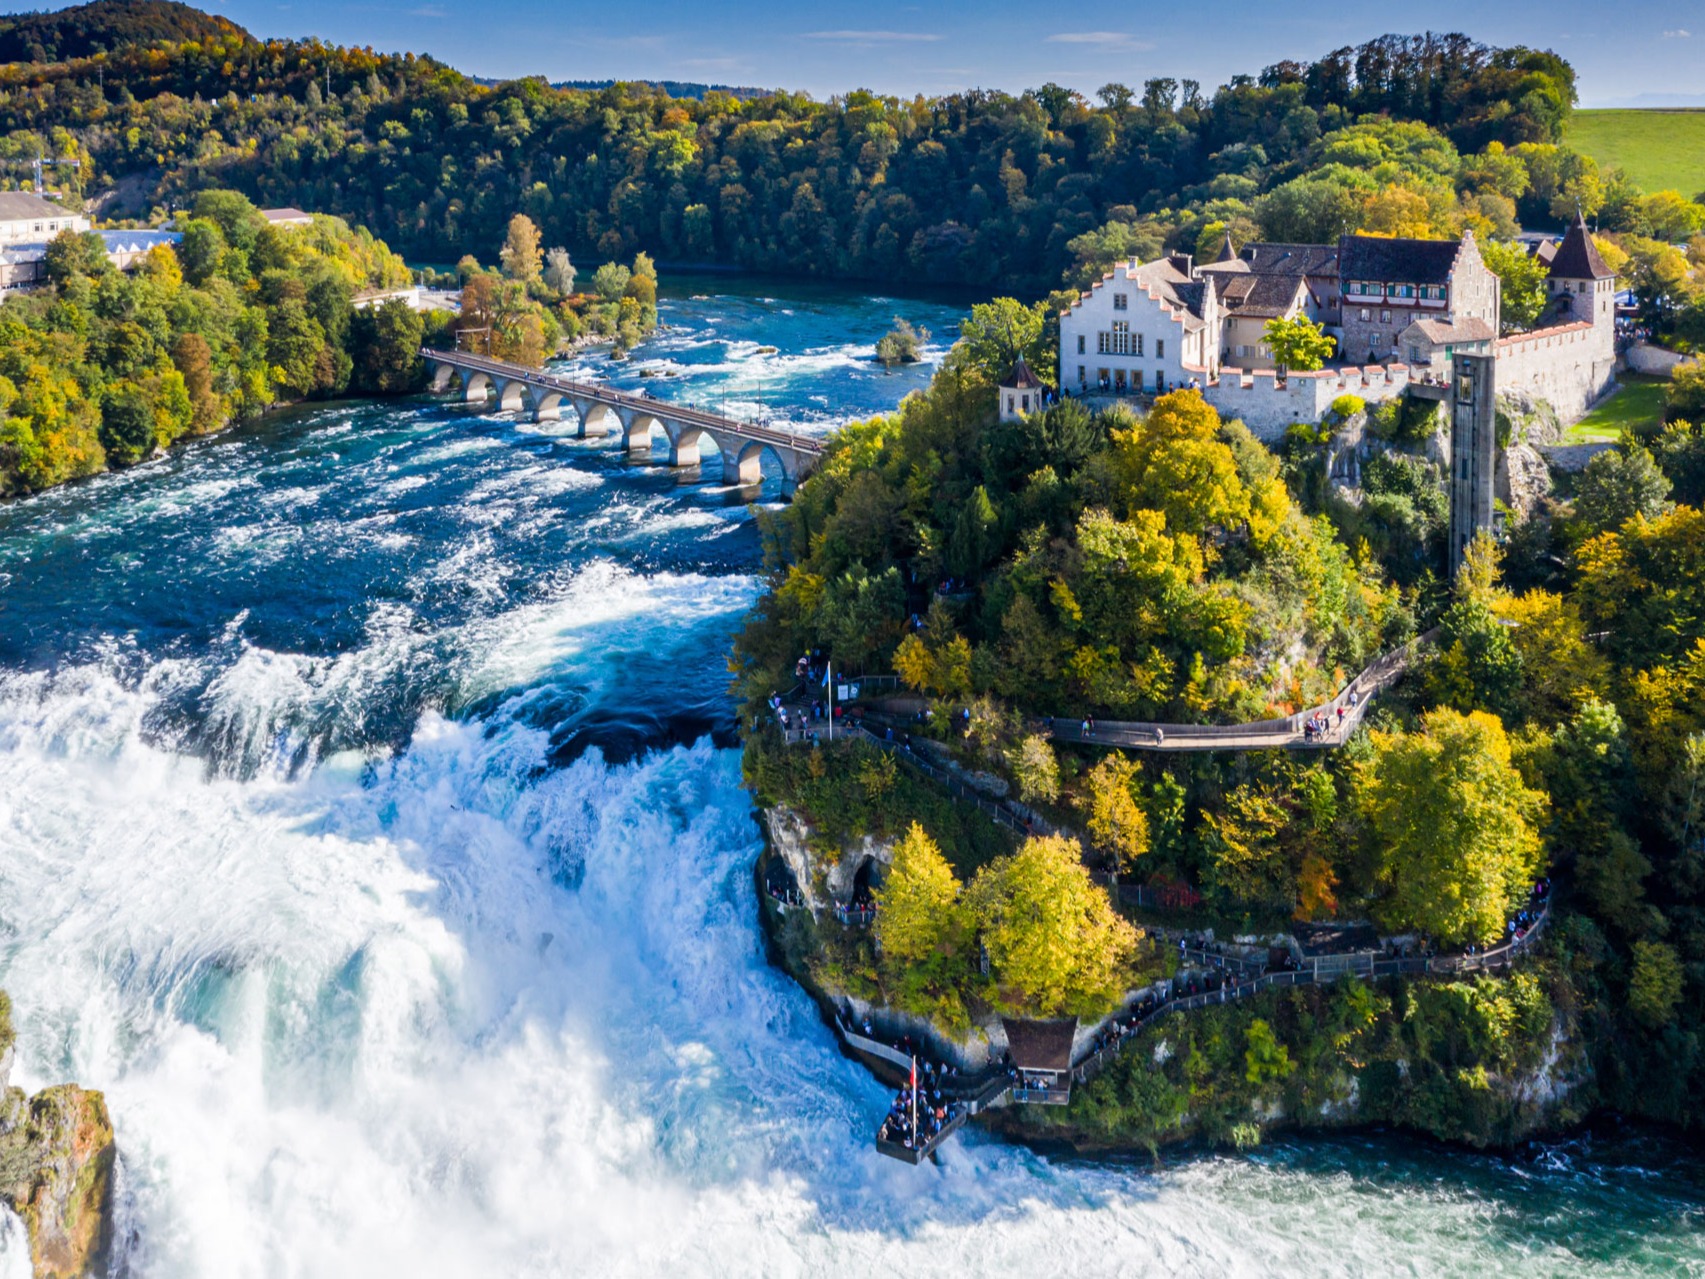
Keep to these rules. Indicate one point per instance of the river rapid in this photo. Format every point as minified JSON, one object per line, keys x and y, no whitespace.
{"x":371,"y":833}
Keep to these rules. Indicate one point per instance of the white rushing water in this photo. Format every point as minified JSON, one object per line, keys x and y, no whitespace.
{"x":448,"y":1013}
{"x":305,"y":864}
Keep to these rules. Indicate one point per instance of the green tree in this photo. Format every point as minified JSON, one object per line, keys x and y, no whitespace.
{"x":1452,"y":826}
{"x":1655,"y":985}
{"x":73,"y":253}
{"x":385,"y":347}
{"x":127,"y":424}
{"x":610,"y":281}
{"x":1055,"y":943}
{"x":1035,"y":769}
{"x":201,"y":249}
{"x":235,"y":215}
{"x":900,"y":344}
{"x":1684,"y":399}
{"x":1265,"y":1059}
{"x":1619,"y":484}
{"x":1299,"y":345}
{"x":998,"y":332}
{"x":1524,"y":289}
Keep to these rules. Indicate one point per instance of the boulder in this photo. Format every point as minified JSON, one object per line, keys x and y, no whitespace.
{"x":1523,"y":479}
{"x":56,"y":1172}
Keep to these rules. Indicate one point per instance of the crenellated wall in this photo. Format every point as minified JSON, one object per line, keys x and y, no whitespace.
{"x":1269,"y":405}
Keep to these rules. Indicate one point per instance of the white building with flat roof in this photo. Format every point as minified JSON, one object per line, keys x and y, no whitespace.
{"x":26,"y":218}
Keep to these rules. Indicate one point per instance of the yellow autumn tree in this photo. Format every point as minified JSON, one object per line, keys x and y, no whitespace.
{"x":1116,"y":821}
{"x":1454,"y":827}
{"x":1056,"y":945}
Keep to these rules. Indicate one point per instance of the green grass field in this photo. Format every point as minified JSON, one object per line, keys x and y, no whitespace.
{"x":1660,"y":150}
{"x":1640,"y":400}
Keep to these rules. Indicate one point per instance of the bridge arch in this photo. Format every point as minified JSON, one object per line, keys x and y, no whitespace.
{"x":598,"y":419}
{"x":637,"y":425}
{"x":686,"y":443}
{"x":476,"y":386}
{"x":545,"y":405}
{"x":744,"y":464}
{"x":512,"y":395}
{"x":442,"y":376}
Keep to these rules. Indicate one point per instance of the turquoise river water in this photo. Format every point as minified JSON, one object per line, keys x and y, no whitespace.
{"x":371,"y":833}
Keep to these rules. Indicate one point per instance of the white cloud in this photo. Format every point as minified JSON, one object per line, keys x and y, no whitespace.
{"x":1677,"y":34}
{"x":872,"y":37}
{"x":1123,"y":40}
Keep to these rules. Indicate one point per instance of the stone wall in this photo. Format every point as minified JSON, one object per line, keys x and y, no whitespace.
{"x":1643,"y":357}
{"x":1269,"y":406}
{"x":1570,"y":366}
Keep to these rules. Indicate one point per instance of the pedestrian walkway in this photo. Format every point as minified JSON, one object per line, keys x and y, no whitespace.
{"x":1224,"y":979}
{"x":1321,"y":727}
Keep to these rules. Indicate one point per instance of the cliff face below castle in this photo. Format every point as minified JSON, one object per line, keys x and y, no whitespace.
{"x":56,"y":1171}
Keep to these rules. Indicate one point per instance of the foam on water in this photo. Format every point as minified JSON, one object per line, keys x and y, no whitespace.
{"x":311,"y":860}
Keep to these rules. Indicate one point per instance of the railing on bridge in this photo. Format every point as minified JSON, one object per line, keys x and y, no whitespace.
{"x":685,"y":414}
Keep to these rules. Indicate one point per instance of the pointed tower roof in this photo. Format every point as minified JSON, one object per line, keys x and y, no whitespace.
{"x":1022,"y":378}
{"x":1577,"y":258}
{"x":1229,"y":252}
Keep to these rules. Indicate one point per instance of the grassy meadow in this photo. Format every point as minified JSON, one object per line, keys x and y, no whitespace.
{"x":1660,"y":150}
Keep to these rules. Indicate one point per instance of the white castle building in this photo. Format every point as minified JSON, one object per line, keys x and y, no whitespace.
{"x":1406,"y":305}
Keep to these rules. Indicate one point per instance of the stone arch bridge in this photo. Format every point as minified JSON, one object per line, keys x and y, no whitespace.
{"x":602,"y":411}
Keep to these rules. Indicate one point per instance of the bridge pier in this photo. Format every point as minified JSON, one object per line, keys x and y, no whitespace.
{"x":636,"y":433}
{"x":683,"y":444}
{"x":742,"y":464}
{"x":595,"y":419}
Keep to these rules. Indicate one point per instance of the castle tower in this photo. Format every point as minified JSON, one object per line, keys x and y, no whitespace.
{"x":1583,"y":289}
{"x":1021,"y":393}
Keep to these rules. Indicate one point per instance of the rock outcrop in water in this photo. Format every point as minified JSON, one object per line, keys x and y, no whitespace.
{"x":56,"y":1169}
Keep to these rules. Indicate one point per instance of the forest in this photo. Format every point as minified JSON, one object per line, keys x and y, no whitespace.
{"x":960,"y":189}
{"x":105,"y":367}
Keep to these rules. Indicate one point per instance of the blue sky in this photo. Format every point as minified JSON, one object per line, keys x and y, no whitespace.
{"x":1620,"y":50}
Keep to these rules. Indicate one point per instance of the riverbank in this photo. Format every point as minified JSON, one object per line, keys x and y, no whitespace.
{"x":1394,"y":1052}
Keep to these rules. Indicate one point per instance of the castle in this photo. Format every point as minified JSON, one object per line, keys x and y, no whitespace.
{"x":1408,"y":306}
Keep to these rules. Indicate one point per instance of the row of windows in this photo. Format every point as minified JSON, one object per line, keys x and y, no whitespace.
{"x":1407,"y":292}
{"x":1121,"y":341}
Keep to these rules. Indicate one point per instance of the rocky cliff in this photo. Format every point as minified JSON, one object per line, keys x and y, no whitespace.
{"x":56,"y":1170}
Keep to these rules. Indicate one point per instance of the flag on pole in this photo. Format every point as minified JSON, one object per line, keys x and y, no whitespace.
{"x":914,"y":1097}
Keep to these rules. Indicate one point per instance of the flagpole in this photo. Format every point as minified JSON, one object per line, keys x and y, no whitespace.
{"x":829,"y":671}
{"x":915,"y":1099}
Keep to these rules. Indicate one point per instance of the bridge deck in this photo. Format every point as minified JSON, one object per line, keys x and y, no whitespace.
{"x":681,"y":413}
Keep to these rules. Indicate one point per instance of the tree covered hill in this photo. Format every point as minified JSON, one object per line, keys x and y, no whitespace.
{"x":106,"y":25}
{"x":1405,"y":134}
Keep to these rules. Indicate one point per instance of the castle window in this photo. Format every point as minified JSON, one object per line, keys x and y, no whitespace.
{"x":1080,"y":376}
{"x":1159,"y":348}
{"x":1080,"y":344}
{"x":1366,"y":314}
{"x":1385,"y":317}
{"x":1120,"y":301}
